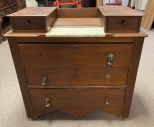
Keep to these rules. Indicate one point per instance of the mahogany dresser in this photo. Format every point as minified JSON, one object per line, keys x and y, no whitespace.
{"x":86,"y":61}
{"x":8,"y":7}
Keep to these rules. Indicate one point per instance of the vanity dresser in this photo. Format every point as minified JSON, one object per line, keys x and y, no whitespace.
{"x":76,"y":61}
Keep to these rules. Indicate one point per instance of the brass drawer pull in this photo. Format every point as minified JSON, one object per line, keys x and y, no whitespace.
{"x":47,"y":102}
{"x":44,"y":80}
{"x":107,"y":102}
{"x":109,"y":59}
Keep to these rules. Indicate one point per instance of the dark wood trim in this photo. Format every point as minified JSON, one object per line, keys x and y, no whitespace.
{"x":77,"y":13}
{"x":69,"y":40}
{"x":132,"y":76}
{"x":21,"y":76}
{"x":66,"y":87}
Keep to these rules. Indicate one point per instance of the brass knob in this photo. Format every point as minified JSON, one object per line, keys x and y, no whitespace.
{"x":47,"y":102}
{"x":107,"y":102}
{"x":44,"y":80}
{"x":108,"y":76}
{"x":109,"y":58}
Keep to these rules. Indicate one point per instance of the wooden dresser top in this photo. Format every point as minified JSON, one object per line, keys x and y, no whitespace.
{"x":112,"y":10}
{"x":84,"y":22}
{"x":33,"y":11}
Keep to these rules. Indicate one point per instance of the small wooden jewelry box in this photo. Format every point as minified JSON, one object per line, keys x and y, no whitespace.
{"x":33,"y":19}
{"x":121,"y":19}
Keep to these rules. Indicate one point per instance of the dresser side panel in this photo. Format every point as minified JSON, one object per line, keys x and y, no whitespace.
{"x":132,"y":74}
{"x":20,"y":75}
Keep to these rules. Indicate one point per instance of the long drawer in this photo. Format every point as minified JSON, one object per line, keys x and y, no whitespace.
{"x":77,"y":101}
{"x":70,"y":55}
{"x":92,"y":76}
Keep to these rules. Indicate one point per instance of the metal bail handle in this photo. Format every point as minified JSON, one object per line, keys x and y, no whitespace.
{"x":107,"y":102}
{"x":109,"y":59}
{"x":47,"y":102}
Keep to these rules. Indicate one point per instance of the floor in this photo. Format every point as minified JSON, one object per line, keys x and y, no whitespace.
{"x":12,"y":112}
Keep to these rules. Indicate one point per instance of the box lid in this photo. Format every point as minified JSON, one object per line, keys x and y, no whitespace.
{"x":112,"y":10}
{"x":33,"y":11}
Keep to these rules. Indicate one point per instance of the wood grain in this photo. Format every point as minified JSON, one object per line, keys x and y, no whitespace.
{"x":73,"y":76}
{"x":33,"y":12}
{"x":21,"y":77}
{"x":31,"y":20}
{"x":124,"y":111}
{"x":112,"y":10}
{"x":28,"y":23}
{"x":68,"y":55}
{"x":123,"y":24}
{"x":77,"y":13}
{"x":138,"y":44}
{"x":77,"y":22}
{"x":77,"y":101}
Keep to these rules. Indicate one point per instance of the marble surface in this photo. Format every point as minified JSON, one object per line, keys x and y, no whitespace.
{"x":76,"y":31}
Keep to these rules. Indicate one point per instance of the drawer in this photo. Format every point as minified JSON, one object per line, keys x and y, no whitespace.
{"x":68,"y":55}
{"x":33,"y":19}
{"x":28,"y":23}
{"x":123,"y":24}
{"x":47,"y":55}
{"x":77,"y":101}
{"x":94,"y":76}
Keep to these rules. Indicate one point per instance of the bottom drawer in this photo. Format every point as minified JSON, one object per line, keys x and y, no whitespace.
{"x":77,"y":101}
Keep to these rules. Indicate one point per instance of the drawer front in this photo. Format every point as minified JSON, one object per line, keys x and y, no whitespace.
{"x":46,"y":77}
{"x":123,"y":24}
{"x":37,"y":23}
{"x":77,"y":101}
{"x":80,"y":55}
